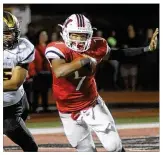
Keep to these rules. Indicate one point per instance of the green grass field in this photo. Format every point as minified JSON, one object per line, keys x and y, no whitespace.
{"x":117,"y":121}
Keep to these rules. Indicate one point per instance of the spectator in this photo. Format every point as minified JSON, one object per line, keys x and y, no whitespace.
{"x":148,"y":36}
{"x":128,"y":68}
{"x":54,"y":36}
{"x":39,"y":69}
{"x":149,"y":67}
{"x":112,"y":41}
{"x":30,"y":35}
{"x":99,"y":33}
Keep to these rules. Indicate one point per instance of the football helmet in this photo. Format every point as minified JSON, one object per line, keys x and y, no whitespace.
{"x":11,"y":30}
{"x":77,"y":23}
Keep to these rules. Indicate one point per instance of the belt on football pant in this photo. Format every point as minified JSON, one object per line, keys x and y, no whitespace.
{"x":75,"y":115}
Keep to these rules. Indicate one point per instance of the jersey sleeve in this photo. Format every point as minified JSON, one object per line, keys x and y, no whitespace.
{"x":54,"y":51}
{"x":101,"y":49}
{"x":26,"y":53}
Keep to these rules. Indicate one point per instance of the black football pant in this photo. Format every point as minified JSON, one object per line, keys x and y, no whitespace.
{"x":14,"y":126}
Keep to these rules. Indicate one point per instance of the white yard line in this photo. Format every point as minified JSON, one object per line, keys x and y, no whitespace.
{"x":119,"y":127}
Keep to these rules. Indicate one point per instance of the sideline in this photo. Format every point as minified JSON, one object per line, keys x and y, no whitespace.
{"x":119,"y":127}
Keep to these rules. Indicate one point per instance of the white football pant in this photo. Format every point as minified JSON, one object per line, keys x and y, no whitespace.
{"x":98,"y":119}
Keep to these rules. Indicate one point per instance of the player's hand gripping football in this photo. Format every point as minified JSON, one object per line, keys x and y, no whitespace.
{"x":93,"y":62}
{"x":153,"y":42}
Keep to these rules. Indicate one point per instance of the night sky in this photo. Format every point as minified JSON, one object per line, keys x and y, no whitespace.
{"x":125,"y":9}
{"x":143,"y":15}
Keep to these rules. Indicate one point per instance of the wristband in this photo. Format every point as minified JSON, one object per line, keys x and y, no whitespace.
{"x":84,"y":61}
{"x":147,"y":49}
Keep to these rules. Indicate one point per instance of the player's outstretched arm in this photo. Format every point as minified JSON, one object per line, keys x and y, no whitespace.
{"x":18,"y":76}
{"x":63,"y":69}
{"x":119,"y":54}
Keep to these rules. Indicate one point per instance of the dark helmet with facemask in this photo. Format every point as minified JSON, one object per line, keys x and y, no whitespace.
{"x":11,"y":30}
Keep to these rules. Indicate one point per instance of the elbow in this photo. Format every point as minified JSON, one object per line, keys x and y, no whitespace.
{"x":10,"y":88}
{"x":16,"y":86}
{"x":58,"y":74}
{"x":11,"y":85}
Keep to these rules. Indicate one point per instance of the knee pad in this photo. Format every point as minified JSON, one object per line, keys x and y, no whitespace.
{"x":16,"y":130}
{"x":114,"y":145}
{"x":25,"y":115}
{"x":86,"y":148}
{"x":10,"y":125}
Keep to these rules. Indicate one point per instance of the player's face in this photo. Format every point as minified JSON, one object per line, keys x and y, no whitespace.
{"x":78,"y":36}
{"x":7,"y":35}
{"x":78,"y":40}
{"x":8,"y":38}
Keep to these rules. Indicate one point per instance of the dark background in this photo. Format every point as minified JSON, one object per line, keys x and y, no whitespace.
{"x":116,"y":15}
{"x":144,"y":15}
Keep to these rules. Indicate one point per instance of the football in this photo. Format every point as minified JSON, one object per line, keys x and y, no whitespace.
{"x":87,"y":70}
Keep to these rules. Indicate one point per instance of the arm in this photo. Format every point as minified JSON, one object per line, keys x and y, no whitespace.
{"x":63,"y":69}
{"x":19,"y":74}
{"x":56,"y":55}
{"x":118,"y":54}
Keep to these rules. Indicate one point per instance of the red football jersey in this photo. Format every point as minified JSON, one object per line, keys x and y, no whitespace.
{"x":74,"y":93}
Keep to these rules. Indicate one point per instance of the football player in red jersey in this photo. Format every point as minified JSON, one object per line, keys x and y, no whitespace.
{"x":81,"y":109}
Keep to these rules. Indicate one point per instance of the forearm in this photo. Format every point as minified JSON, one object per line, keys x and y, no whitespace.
{"x":119,"y":54}
{"x":18,"y":76}
{"x":68,"y":68}
{"x":135,"y":51}
{"x":9,"y":85}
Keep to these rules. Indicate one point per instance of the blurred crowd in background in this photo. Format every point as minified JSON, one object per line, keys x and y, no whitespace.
{"x":140,"y":73}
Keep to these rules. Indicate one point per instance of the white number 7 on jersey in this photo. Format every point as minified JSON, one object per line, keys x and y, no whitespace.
{"x":81,"y":80}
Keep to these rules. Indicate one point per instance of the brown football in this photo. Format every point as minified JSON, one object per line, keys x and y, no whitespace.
{"x":86,"y":71}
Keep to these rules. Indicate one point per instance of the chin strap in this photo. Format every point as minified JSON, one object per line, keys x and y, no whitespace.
{"x":60,"y":25}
